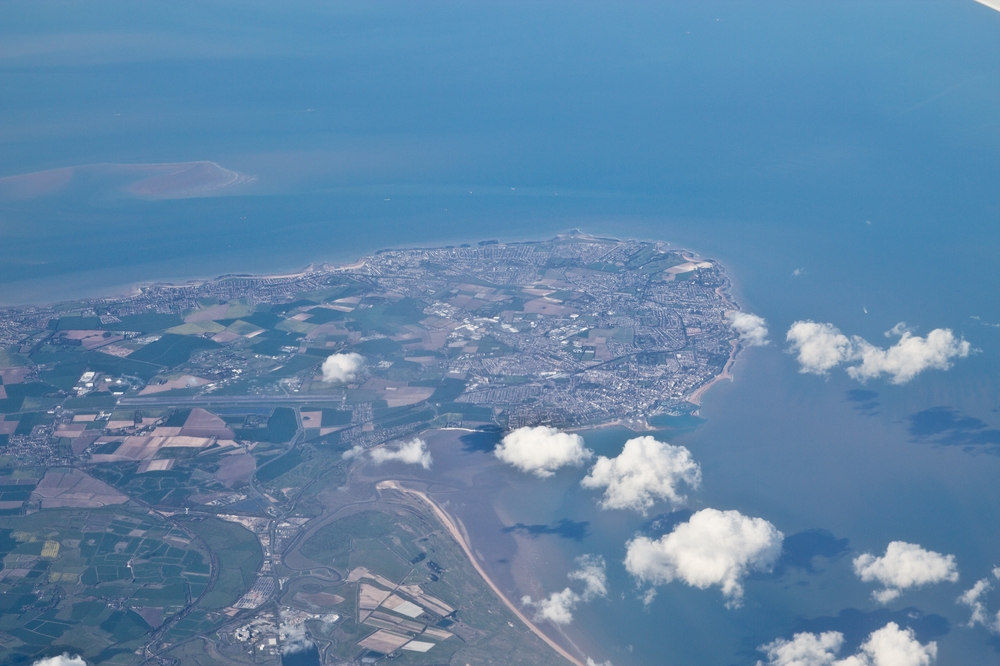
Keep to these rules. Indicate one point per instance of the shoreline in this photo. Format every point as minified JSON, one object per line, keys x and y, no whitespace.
{"x":462,"y":540}
{"x":131,"y":287}
{"x":724,"y":292}
{"x":695,"y":398}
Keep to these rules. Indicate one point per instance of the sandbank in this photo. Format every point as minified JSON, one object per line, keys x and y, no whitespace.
{"x":462,"y":540}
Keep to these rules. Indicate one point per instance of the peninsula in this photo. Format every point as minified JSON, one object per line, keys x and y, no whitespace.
{"x":169,"y":455}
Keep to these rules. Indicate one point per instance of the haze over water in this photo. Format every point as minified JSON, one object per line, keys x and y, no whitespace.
{"x":839,"y":158}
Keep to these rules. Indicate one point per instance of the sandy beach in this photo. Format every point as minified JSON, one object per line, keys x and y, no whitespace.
{"x":462,"y":539}
{"x":695,"y":398}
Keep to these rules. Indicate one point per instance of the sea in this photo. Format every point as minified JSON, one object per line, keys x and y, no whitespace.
{"x":838,"y":157}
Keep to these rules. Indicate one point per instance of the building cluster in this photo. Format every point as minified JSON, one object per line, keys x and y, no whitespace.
{"x":591,"y":330}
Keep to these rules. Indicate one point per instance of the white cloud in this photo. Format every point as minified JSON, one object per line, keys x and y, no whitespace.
{"x":973,"y":598}
{"x":353,"y":452}
{"x":292,"y":632}
{"x":888,"y":646}
{"x":558,"y":607}
{"x":712,"y":548}
{"x":342,"y":368}
{"x":413,"y":452}
{"x":646,"y":470}
{"x":903,"y":566}
{"x":61,"y":660}
{"x":892,"y":646}
{"x":541,"y":450}
{"x":822,"y":347}
{"x":804,"y":649}
{"x":751,"y":328}
{"x":909,"y":357}
{"x":593,"y":576}
{"x":591,"y":662}
{"x":898,"y":330}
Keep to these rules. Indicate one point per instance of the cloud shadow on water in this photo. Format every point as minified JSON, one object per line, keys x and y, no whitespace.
{"x":483,"y":440}
{"x":864,"y":401}
{"x":856,"y":625}
{"x":947,"y":427}
{"x":665,"y":523}
{"x":799,"y":551}
{"x":567,"y":529}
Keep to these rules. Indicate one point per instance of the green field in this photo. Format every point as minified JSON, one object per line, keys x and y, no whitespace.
{"x":275,"y":468}
{"x":331,"y":544}
{"x":171,"y":349}
{"x":149,"y":322}
{"x":239,"y":555}
{"x":79,"y":561}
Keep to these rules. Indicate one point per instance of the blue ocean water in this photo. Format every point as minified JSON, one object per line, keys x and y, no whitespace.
{"x":840,"y":158}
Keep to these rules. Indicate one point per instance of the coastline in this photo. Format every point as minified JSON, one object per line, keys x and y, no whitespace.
{"x":463,"y":542}
{"x":318,"y":265}
{"x":130,"y":287}
{"x":723,"y":292}
{"x":695,"y":398}
{"x":325,"y":268}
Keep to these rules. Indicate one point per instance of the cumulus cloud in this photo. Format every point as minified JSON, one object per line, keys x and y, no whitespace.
{"x":751,"y":328}
{"x":804,"y":649}
{"x":63,"y":659}
{"x":342,"y":368}
{"x":645,"y":471}
{"x":292,"y":632}
{"x":903,"y":566}
{"x":541,"y":450}
{"x":892,"y":646}
{"x":973,"y":598}
{"x":413,"y":452}
{"x":888,"y":646}
{"x":909,"y":357}
{"x":712,"y":548}
{"x":822,"y":347}
{"x":558,"y":607}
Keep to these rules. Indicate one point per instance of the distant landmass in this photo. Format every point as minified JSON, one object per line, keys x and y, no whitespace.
{"x":179,"y":180}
